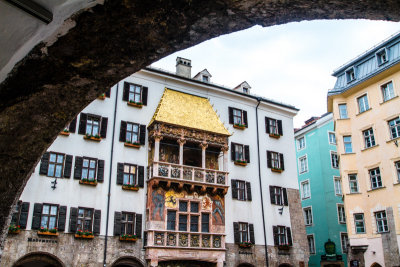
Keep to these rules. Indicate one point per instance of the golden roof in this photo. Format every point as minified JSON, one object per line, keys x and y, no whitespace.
{"x":189,"y":111}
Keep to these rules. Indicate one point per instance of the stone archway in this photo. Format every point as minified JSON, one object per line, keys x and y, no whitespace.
{"x":127,"y":262}
{"x":375,"y":264}
{"x":38,"y":259}
{"x":56,"y":80}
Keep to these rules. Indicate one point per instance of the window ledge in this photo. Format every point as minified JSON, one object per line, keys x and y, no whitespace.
{"x":351,"y":153}
{"x":398,"y":183}
{"x":276,"y":170}
{"x":363,"y":112}
{"x":240,"y":163}
{"x":304,"y":198}
{"x":102,"y":97}
{"x":368,"y":148}
{"x":239,"y":126}
{"x":128,"y":239}
{"x":64,"y":133}
{"x":370,"y":190}
{"x":93,"y":183}
{"x":84,"y":236}
{"x":130,"y":187}
{"x":92,"y":138}
{"x":133,"y":145}
{"x":384,"y":102}
{"x":134,"y":104}
{"x":392,"y":140}
{"x":343,"y":119}
{"x":276,"y":136}
{"x":355,"y":193}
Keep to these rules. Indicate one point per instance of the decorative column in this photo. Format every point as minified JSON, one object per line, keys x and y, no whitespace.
{"x":203,"y":146}
{"x":181,"y":141}
{"x":225,"y":150}
{"x":156,"y":157}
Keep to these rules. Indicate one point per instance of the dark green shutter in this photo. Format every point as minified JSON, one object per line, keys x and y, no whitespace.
{"x":140,"y":176}
{"x":122,"y":131}
{"x":280,"y":131}
{"x":289,"y":236}
{"x":125,"y":95}
{"x":73,"y":219}
{"x":267,"y":125}
{"x":44,"y":163}
{"x":142,"y":134}
{"x":82,"y":123}
{"x":285,"y":199}
{"x":97,"y":221}
{"x":236,"y":235}
{"x":68,"y":166}
{"x":23,"y":217}
{"x":144,"y":95}
{"x":120,"y":173}
{"x":103,"y":129}
{"x":272,"y":194}
{"x":232,"y":151}
{"x":245,"y":118}
{"x":269,"y":159}
{"x":62,"y":217}
{"x":138,"y":225}
{"x":117,"y":223}
{"x":100,"y":171}
{"x":248,"y":189}
{"x":230,"y":110}
{"x":282,"y":162}
{"x":37,"y":214}
{"x":108,"y":93}
{"x":251,"y":230}
{"x":78,"y":167}
{"x":72,"y":125}
{"x":276,"y":237}
{"x":247,"y":153}
{"x":234,"y":189}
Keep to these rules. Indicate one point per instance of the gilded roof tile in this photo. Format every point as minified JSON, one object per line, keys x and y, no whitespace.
{"x":189,"y":111}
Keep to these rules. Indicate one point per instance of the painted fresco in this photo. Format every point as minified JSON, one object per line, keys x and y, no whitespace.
{"x":169,"y":153}
{"x":157,"y":205}
{"x":218,"y":211}
{"x":170,"y":199}
{"x":212,"y":161}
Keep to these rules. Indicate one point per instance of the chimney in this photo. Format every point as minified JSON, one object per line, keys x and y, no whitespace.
{"x":184,"y":67}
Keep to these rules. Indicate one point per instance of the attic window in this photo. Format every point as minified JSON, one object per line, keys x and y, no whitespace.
{"x":381,"y":56}
{"x":350,"y":75}
{"x":245,"y":90}
{"x":205,"y":79}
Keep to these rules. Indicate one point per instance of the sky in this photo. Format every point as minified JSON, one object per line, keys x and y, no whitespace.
{"x":291,"y":63}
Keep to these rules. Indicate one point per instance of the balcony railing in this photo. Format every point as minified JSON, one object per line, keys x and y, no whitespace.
{"x":173,"y":239}
{"x":188,"y":173}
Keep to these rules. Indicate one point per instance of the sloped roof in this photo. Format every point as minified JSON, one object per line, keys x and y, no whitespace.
{"x":190,"y":111}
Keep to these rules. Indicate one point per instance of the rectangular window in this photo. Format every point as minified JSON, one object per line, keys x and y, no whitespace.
{"x":132,"y":133}
{"x":49,"y":216}
{"x":241,"y":186}
{"x":273,"y":126}
{"x":135,"y":93}
{"x":344,"y":240}
{"x":183,"y":206}
{"x":348,"y":147}
{"x":375,"y":176}
{"x":305,"y":190}
{"x":239,"y":152}
{"x":311,"y":244}
{"x":359,"y":223}
{"x":350,"y":75}
{"x":303,"y":164}
{"x":343,"y":111}
{"x":127,"y":223}
{"x":381,"y":222}
{"x":369,"y":139}
{"x":394,"y":128}
{"x":244,"y":232}
{"x":16,"y":214}
{"x":334,"y":160}
{"x":93,"y":125}
{"x":301,"y":143}
{"x":171,"y":220}
{"x":341,"y":214}
{"x":56,"y":163}
{"x":278,"y":196}
{"x":308,"y":218}
{"x":282,"y":240}
{"x":89,"y":169}
{"x":387,"y":91}
{"x":85,"y":218}
{"x":194,"y":223}
{"x":362,"y":104}
{"x":332,"y":138}
{"x":353,"y":183}
{"x":129,"y":174}
{"x":381,"y":56}
{"x":397,"y":165}
{"x":275,"y":160}
{"x":237,"y":116}
{"x":194,"y":207}
{"x":205,"y":222}
{"x":338,"y":186}
{"x":183,"y":218}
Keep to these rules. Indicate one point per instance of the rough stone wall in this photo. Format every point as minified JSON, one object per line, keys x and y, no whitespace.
{"x":56,"y":80}
{"x":389,"y":241}
{"x":236,"y":255}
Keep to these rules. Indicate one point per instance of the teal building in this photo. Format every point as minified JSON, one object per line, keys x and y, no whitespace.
{"x":321,"y":192}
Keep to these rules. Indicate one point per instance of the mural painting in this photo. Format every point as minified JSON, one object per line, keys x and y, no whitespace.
{"x":170,"y":198}
{"x":157,"y":205}
{"x":218,"y":211}
{"x":169,"y":153}
{"x":212,"y":160}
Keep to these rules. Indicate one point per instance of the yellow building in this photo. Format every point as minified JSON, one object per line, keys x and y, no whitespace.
{"x":366,"y":106}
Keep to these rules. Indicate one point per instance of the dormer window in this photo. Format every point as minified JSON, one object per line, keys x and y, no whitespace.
{"x":381,"y":56}
{"x":350,"y":75}
{"x":245,"y":90}
{"x":205,"y":79}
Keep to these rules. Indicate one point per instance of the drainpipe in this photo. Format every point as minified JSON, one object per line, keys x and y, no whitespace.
{"x":261,"y":191}
{"x":109,"y":177}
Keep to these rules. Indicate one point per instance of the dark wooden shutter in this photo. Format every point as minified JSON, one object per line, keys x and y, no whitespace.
{"x":78,"y":167}
{"x":44,"y":163}
{"x":142,"y":134}
{"x":73,"y":219}
{"x":251,"y":231}
{"x":234,"y":189}
{"x":108,"y":93}
{"x":141,"y":176}
{"x":23,"y":217}
{"x":280,"y":131}
{"x":62,"y":217}
{"x":138,"y":225}
{"x":276,"y":237}
{"x":267,"y":125}
{"x":122,"y":131}
{"x":100,"y":170}
{"x":285,"y":199}
{"x":236,"y":235}
{"x":103,"y":130}
{"x":120,"y":173}
{"x":82,"y":123}
{"x":37,"y":214}
{"x":248,"y":189}
{"x":247,"y":153}
{"x":68,"y":166}
{"x":282,"y":162}
{"x":117,"y":223}
{"x":289,"y":236}
{"x":245,"y":118}
{"x":144,"y":95}
{"x":269,"y":160}
{"x":232,"y":151}
{"x":97,"y":221}
{"x":272,"y":194}
{"x":125,"y":95}
{"x":72,"y":126}
{"x":230,"y":110}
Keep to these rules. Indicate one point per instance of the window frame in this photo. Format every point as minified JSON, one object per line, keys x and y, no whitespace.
{"x":375,"y":176}
{"x":338,"y":190}
{"x":273,"y":126}
{"x":135,"y":175}
{"x":363,"y":105}
{"x":126,"y":223}
{"x":344,"y":245}
{"x":55,"y":164}
{"x":278,"y":197}
{"x":189,"y":215}
{"x":16,"y":213}
{"x":241,"y":191}
{"x":282,"y":235}
{"x":308,"y":216}
{"x":350,"y":74}
{"x":171,"y":220}
{"x":311,"y":246}
{"x":369,"y":138}
{"x":395,"y":127}
{"x":134,"y":93}
{"x":343,"y":116}
{"x":345,"y":143}
{"x":301,"y":144}
{"x":49,"y":215}
{"x":381,"y":222}
{"x":329,"y":138}
{"x":237,"y":152}
{"x":381,"y":56}
{"x":237,"y":116}
{"x":362,"y":220}
{"x":350,"y":175}
{"x":334,"y":159}
{"x":132,"y":133}
{"x":302,"y":183}
{"x":89,"y":168}
{"x":301,"y":171}
{"x":85,"y":218}
{"x":243,"y":232}
{"x":93,"y":118}
{"x":397,"y":168}
{"x":341,"y":213}
{"x":387,"y":87}
{"x":275,"y":160}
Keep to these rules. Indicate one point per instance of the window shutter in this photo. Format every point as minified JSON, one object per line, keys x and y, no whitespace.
{"x":68,"y":166}
{"x":234,"y":189}
{"x":269,"y":160}
{"x":251,"y":230}
{"x":23,"y":217}
{"x":142,"y":135}
{"x":44,"y":163}
{"x":232,"y":151}
{"x":271,"y":194}
{"x":267,"y":125}
{"x":78,"y":167}
{"x":276,"y":237}
{"x":230,"y":110}
{"x":141,"y":176}
{"x":122,"y":131}
{"x":97,"y":220}
{"x":247,"y":153}
{"x":72,"y":126}
{"x":285,"y":199}
{"x":62,"y":217}
{"x":125,"y":95}
{"x":120,"y":173}
{"x":117,"y":223}
{"x":282,"y":162}
{"x":82,"y":123}
{"x":73,"y":219}
{"x":37,"y":214}
{"x":108,"y":93}
{"x":280,"y":131}
{"x":144,"y":95}
{"x":236,"y":232}
{"x":103,"y":130}
{"x":100,"y":170}
{"x":139,"y":225}
{"x":289,"y":236}
{"x":245,"y":118}
{"x":248,"y":189}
